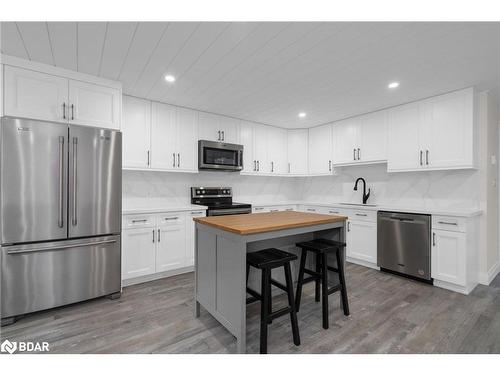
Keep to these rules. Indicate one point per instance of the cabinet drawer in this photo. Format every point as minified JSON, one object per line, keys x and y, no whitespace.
{"x":454,"y":224}
{"x":361,"y":215}
{"x":138,"y":221}
{"x":171,"y":218}
{"x":312,"y":209}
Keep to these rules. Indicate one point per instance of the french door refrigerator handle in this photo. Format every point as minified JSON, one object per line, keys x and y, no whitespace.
{"x":49,"y":248}
{"x":178,"y":160}
{"x":60,"y":222}
{"x":421,"y":153}
{"x":75,"y":180}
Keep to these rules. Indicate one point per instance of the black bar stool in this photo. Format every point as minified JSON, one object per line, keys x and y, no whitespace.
{"x":267,"y":260}
{"x":321,"y":248}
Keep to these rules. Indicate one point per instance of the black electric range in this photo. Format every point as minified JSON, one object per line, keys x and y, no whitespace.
{"x":219,"y":201}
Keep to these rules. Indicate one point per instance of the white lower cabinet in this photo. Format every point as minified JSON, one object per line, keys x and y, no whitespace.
{"x":138,"y":252}
{"x":448,"y":256}
{"x":153,"y":244}
{"x":361,"y":239}
{"x":171,"y":242}
{"x":190,"y":235}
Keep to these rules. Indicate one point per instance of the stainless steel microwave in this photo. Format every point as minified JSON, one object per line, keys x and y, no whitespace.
{"x":220,"y":156}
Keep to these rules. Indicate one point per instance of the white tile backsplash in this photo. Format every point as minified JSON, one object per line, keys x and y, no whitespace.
{"x":436,"y":189}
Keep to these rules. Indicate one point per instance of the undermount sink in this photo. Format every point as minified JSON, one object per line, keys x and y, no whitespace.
{"x":359,"y":204}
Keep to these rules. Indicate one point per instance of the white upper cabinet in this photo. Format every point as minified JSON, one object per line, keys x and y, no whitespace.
{"x":277,"y":150}
{"x":361,"y":139}
{"x":449,"y":130}
{"x":218,"y":128}
{"x":260,"y":147}
{"x":42,"y":96}
{"x":404,"y":152}
{"x":373,"y":137}
{"x":247,"y":140}
{"x":174,"y":133}
{"x":35,"y":95}
{"x":346,"y":141}
{"x":136,"y":127}
{"x":94,"y":105}
{"x":297,"y":151}
{"x":163,"y":136}
{"x":433,"y":134}
{"x":320,"y":150}
{"x":187,"y":139}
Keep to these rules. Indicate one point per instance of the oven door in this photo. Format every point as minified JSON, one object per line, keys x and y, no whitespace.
{"x":220,"y":156}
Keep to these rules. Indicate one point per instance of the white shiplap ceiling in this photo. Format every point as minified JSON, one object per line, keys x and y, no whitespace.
{"x":269,"y":71}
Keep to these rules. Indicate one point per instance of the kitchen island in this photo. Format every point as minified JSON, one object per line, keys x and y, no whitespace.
{"x":222,"y":243}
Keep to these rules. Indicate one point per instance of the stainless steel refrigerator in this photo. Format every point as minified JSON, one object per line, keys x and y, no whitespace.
{"x":60,"y":215}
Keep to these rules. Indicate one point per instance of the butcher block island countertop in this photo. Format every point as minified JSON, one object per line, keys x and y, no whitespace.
{"x":267,"y":222}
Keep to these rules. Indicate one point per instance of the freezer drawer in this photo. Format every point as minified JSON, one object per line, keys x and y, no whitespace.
{"x":404,"y":243}
{"x":45,"y":275}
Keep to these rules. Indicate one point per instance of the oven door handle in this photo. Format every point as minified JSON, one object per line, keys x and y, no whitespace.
{"x":229,"y":211}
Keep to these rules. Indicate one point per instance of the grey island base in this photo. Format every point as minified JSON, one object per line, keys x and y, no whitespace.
{"x":222,"y":243}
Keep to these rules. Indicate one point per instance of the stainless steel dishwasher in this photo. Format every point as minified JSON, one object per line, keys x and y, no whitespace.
{"x":404,"y":244}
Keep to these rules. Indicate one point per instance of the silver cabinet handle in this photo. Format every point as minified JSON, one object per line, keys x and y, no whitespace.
{"x":223,"y":136}
{"x":196,"y":212}
{"x":433,"y":239}
{"x":421,"y":152}
{"x":333,"y":212}
{"x":19,"y":250}
{"x":272,"y":166}
{"x":60,"y":221}
{"x":159,"y":238}
{"x":254,"y":166}
{"x":258,"y":208}
{"x":148,"y":158}
{"x":289,"y":209}
{"x":139,"y":221}
{"x":361,"y":214}
{"x":447,"y":223}
{"x":171,"y":218}
{"x":258,"y":165}
{"x":64,"y":111}
{"x":275,"y":210}
{"x":329,"y":165}
{"x":311,"y":209}
{"x":359,"y":157}
{"x":348,"y":226}
{"x":75,"y":180}
{"x":72,"y":112}
{"x":353,"y":154}
{"x":289,"y":168}
{"x":173,"y":157}
{"x":219,"y":136}
{"x":178,"y":160}
{"x":427,"y":157}
{"x":153,"y":236}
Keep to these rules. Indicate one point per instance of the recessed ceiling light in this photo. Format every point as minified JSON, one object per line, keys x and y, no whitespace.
{"x":393,"y":85}
{"x":302,"y":114}
{"x":169,"y":78}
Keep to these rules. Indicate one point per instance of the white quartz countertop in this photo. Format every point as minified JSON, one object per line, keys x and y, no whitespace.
{"x":152,"y":205}
{"x":445,"y":211}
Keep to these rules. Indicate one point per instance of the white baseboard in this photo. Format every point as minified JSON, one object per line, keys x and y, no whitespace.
{"x":156,"y":276}
{"x":362,"y":263}
{"x":487,"y":278}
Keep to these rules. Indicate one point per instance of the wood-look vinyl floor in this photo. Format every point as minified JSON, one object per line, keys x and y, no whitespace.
{"x":389,"y":314}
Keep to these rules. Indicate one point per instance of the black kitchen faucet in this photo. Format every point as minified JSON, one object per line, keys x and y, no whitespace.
{"x":365,"y":196}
